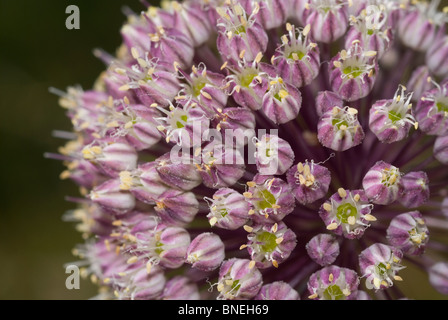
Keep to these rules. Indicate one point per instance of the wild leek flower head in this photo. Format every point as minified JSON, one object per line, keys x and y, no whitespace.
{"x":264,"y":149}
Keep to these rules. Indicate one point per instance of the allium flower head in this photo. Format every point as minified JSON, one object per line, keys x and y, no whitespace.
{"x":264,"y":149}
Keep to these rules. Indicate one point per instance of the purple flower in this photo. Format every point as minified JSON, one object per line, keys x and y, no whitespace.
{"x":252,"y":149}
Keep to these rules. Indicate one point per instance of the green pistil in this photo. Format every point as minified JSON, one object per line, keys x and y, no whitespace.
{"x":346,"y":211}
{"x":236,"y":285}
{"x":223,"y":213}
{"x":333,"y":292}
{"x":268,"y":200}
{"x":268,"y":241}
{"x":179,"y":124}
{"x":442,"y":107}
{"x":300,"y":54}
{"x":354,"y":71}
{"x":240,"y":29}
{"x":381,"y":268}
{"x":197,"y":87}
{"x":159,"y":248}
{"x":339,"y":123}
{"x":247,"y":79}
{"x":370,"y":32}
{"x":268,"y":151}
{"x":394,"y":116}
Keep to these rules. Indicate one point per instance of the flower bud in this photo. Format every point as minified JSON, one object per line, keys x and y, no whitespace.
{"x":282,"y":101}
{"x":136,"y":284}
{"x":329,"y":19}
{"x":441,"y":149}
{"x":437,"y":57}
{"x":144,"y":182}
{"x":180,"y":288}
{"x":206,"y":252}
{"x":353,"y":72}
{"x":339,"y":129}
{"x":272,"y":13}
{"x":181,"y":174}
{"x":414,"y":189}
{"x":234,"y":119}
{"x":308,"y":181}
{"x":347,"y":213}
{"x":220,"y":166}
{"x":189,"y":18}
{"x":112,"y":158}
{"x":418,"y":82}
{"x":270,"y":245}
{"x":390,"y":120}
{"x":104,"y":263}
{"x":138,"y":126}
{"x":323,"y":249}
{"x":382,"y":183}
{"x":409,"y":233}
{"x":165,"y":246}
{"x":326,"y":101}
{"x":111,"y":198}
{"x":177,"y":207}
{"x":270,"y":198}
{"x":432,"y":110}
{"x":274,"y":156}
{"x":438,"y":277}
{"x":299,"y":7}
{"x":297,"y":60}
{"x":333,"y":283}
{"x":444,"y":207}
{"x":380,"y":264}
{"x":84,"y":173}
{"x":238,"y":279}
{"x":165,"y":44}
{"x":228,"y":209}
{"x":418,"y":28}
{"x":277,"y":290}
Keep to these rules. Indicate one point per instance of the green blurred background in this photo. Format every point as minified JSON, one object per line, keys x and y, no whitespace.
{"x":38,"y":52}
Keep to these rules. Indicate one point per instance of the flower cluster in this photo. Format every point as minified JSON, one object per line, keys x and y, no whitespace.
{"x":352,"y":99}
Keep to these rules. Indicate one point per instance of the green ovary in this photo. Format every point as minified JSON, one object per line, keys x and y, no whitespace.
{"x":236,"y":285}
{"x":339,"y":123}
{"x":268,"y":239}
{"x":300,"y":54}
{"x":240,"y":29}
{"x":381,"y":269}
{"x":223,"y":212}
{"x":247,"y":79}
{"x":179,"y":124}
{"x":333,"y":292}
{"x":394,"y":116}
{"x":159,"y":248}
{"x":354,"y":71}
{"x":197,"y":87}
{"x":345,"y":211}
{"x":268,"y":200}
{"x":442,"y":107}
